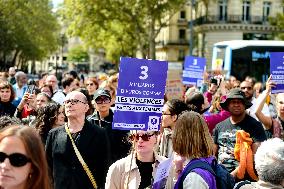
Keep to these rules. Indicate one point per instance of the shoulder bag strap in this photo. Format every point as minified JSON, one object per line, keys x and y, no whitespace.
{"x":80,"y":158}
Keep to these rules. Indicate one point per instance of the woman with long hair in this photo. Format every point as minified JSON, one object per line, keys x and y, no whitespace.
{"x":7,"y":95}
{"x":170,"y":113}
{"x":48,"y":117}
{"x":23,"y":163}
{"x":192,"y":141}
{"x":137,"y":169}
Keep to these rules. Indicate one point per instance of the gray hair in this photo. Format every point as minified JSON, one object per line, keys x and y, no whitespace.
{"x":19,"y":74}
{"x":269,"y":161}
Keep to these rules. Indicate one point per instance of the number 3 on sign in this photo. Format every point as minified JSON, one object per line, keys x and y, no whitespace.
{"x":144,"y":71}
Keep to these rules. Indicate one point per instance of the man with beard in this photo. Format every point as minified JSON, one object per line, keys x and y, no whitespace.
{"x":264,"y":117}
{"x":224,"y":134}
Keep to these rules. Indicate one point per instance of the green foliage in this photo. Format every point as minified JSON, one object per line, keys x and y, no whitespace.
{"x":119,"y":26}
{"x":77,"y":54}
{"x":28,"y":30}
{"x":278,"y":21}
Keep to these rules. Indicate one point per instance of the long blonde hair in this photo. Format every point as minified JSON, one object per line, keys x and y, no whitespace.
{"x":191,"y":137}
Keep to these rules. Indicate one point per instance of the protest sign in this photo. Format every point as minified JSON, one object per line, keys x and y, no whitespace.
{"x":277,"y":71}
{"x":140,"y":94}
{"x":174,"y":85}
{"x":193,"y":70}
{"x":162,"y":173}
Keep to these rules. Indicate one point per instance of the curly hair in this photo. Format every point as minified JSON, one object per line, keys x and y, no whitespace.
{"x":46,"y":118}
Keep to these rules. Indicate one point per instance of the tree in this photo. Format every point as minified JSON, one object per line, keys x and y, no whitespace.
{"x":77,"y":54}
{"x":28,"y":31}
{"x":121,"y":27}
{"x":278,"y":21}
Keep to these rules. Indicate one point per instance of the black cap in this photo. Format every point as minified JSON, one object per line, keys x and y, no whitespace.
{"x":102,"y":92}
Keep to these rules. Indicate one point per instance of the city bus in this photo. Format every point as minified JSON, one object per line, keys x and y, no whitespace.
{"x":242,"y":58}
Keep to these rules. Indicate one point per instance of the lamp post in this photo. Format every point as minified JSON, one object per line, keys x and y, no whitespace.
{"x":62,"y":37}
{"x":62,"y":46}
{"x":192,"y":3}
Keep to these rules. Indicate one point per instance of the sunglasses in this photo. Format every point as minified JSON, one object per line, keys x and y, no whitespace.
{"x":91,"y":84}
{"x":73,"y":101}
{"x":16,"y":159}
{"x":144,"y":137}
{"x":102,"y":100}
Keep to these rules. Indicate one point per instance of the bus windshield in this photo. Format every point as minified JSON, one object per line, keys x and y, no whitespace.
{"x":242,"y":58}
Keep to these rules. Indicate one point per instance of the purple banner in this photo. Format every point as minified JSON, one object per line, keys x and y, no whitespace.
{"x":193,"y":70}
{"x":140,"y":94}
{"x":277,"y":71}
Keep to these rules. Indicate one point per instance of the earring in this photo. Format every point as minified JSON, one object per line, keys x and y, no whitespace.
{"x":30,"y":175}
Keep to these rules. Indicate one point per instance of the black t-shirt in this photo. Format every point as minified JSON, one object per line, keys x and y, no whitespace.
{"x":146,"y":171}
{"x":224,"y":136}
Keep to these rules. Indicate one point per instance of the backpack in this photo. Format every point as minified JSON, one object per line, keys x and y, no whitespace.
{"x":224,"y":179}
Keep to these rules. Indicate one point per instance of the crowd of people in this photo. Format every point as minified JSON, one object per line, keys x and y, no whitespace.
{"x":58,"y":134}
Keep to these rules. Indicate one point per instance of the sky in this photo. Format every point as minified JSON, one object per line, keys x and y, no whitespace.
{"x":56,"y":2}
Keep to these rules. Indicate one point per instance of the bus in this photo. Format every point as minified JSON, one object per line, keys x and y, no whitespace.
{"x":242,"y":58}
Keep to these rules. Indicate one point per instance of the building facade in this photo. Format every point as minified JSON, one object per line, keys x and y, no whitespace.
{"x":220,"y":20}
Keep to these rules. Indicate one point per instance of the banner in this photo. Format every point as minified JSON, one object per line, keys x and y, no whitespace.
{"x":193,"y":70}
{"x":277,"y":71}
{"x":140,"y":94}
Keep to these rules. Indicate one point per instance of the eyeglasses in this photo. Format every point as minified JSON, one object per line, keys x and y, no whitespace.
{"x":144,"y":137}
{"x":16,"y":159}
{"x":248,"y":88}
{"x":163,"y":113}
{"x":91,"y":84}
{"x":73,"y":101}
{"x":102,"y":100}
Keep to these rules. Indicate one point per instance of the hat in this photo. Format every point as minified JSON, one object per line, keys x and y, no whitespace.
{"x":235,"y":93}
{"x":102,"y":92}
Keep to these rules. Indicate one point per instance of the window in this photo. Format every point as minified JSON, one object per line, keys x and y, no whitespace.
{"x":182,"y":15}
{"x":181,"y":54}
{"x":246,"y":10}
{"x":222,"y":10}
{"x":182,"y":34}
{"x":266,"y":10}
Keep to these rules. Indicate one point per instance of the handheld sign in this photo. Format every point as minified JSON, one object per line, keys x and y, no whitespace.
{"x":140,"y":94}
{"x":162,"y":173}
{"x":277,"y":71}
{"x":193,"y":70}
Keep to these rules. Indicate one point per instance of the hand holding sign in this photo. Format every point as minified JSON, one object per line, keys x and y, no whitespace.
{"x":277,"y":71}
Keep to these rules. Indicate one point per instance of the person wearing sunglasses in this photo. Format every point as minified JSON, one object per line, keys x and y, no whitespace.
{"x":263,"y":115}
{"x":91,"y":85}
{"x":23,"y":163}
{"x":103,"y":116}
{"x":136,"y":171}
{"x":90,"y":140}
